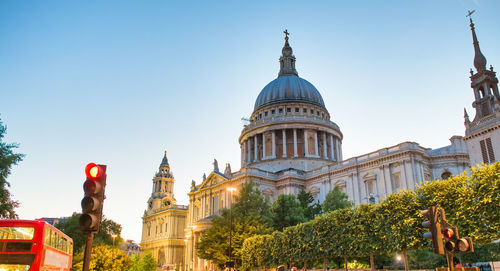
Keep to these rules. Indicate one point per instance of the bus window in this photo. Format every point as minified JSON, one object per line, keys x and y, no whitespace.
{"x":47,"y":235}
{"x":17,"y":233}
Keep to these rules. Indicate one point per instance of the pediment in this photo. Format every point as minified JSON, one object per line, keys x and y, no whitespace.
{"x":369,"y":176}
{"x":212,"y":179}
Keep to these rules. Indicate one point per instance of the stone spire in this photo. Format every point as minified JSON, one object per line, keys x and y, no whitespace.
{"x":479,"y":59}
{"x":287,"y":59}
{"x":164,"y":162}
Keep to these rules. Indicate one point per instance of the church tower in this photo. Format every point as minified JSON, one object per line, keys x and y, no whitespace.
{"x":482,"y":134}
{"x":164,"y":221}
{"x":163,"y":187}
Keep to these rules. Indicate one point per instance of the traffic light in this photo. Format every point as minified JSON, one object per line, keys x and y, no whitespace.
{"x":434,"y":216}
{"x":465,"y":245}
{"x":454,"y":243}
{"x":450,"y":234}
{"x":92,"y":203}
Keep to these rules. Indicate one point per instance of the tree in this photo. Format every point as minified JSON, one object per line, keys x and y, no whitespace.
{"x":250,"y":217}
{"x":469,"y":201}
{"x":287,"y":212}
{"x":104,"y":257}
{"x":335,"y":199}
{"x":306,"y":200}
{"x":7,"y":159}
{"x":144,"y":263}
{"x":401,"y":228}
{"x":249,"y":204}
{"x":71,"y":227}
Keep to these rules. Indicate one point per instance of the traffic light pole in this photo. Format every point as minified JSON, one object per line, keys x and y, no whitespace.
{"x":88,"y":251}
{"x":449,"y":258}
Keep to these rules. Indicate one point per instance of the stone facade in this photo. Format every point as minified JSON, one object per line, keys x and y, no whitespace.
{"x":290,"y":144}
{"x":163,"y":222}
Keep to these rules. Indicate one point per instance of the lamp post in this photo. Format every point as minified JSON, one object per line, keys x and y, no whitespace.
{"x":192,"y":245}
{"x":113,"y":250}
{"x":230,"y":189}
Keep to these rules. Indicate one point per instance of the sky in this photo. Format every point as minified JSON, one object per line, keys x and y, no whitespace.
{"x":120,"y":82}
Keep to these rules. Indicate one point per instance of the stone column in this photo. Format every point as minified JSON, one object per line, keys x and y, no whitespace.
{"x":284,"y":142}
{"x":332,"y":154}
{"x":337,"y":156}
{"x":274,"y":144}
{"x":340,"y":150}
{"x":325,"y":153}
{"x":255,"y":148}
{"x":403,"y":173}
{"x":388,"y":181}
{"x":316,"y":145}
{"x":295,"y":143}
{"x":263,"y":146}
{"x":306,"y":143}
{"x":243,"y":162}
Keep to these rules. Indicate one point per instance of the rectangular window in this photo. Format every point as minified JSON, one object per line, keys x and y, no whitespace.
{"x":304,"y":110}
{"x":281,"y":110}
{"x":487,"y":151}
{"x":288,"y":110}
{"x":273,"y":111}
{"x":297,"y":110}
{"x":17,"y":233}
{"x":489,"y":147}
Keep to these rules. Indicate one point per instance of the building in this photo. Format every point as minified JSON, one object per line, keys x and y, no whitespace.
{"x":130,"y":248}
{"x":291,"y":143}
{"x":482,"y":134}
{"x":164,"y":221}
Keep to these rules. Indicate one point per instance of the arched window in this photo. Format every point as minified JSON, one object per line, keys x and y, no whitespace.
{"x":445,"y":175}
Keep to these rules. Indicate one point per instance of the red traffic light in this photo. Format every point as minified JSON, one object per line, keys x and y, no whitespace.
{"x":448,"y":233}
{"x":93,"y":171}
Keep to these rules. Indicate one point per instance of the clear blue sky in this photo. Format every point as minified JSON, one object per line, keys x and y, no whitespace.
{"x":119,"y":82}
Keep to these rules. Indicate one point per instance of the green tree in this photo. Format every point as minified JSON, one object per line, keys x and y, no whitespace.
{"x":287,"y":212}
{"x":250,"y":204}
{"x":7,"y":159}
{"x":104,"y":258}
{"x":306,"y":200}
{"x":335,"y":199}
{"x":144,"y":263}
{"x":71,"y":227}
{"x":469,"y":201}
{"x":250,"y":217}
{"x":401,"y":228}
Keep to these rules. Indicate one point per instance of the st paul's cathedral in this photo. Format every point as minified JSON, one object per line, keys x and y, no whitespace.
{"x":291,"y":143}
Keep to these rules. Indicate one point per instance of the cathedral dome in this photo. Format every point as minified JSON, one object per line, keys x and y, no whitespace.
{"x":286,"y":89}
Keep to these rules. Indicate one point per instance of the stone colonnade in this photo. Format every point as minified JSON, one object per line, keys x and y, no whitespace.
{"x":291,"y":143}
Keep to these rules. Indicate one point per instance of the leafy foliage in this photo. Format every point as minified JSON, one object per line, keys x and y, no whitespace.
{"x":251,"y":216}
{"x":306,"y":200}
{"x":144,"y":263}
{"x":334,"y":200}
{"x":104,"y":257}
{"x":287,"y":212}
{"x":71,"y":228}
{"x":7,"y":159}
{"x":394,"y":225}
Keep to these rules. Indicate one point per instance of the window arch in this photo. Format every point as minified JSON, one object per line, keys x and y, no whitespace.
{"x":445,"y":175}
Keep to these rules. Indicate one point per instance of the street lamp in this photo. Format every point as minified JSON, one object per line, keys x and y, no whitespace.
{"x":113,"y":249}
{"x":186,"y":258}
{"x":231,"y":190}
{"x":192,"y":245}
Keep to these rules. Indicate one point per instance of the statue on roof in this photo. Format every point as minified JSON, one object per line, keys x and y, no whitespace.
{"x":216,"y":165}
{"x":227,"y":171}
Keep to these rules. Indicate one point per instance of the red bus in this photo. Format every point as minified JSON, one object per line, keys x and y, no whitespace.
{"x":33,"y":245}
